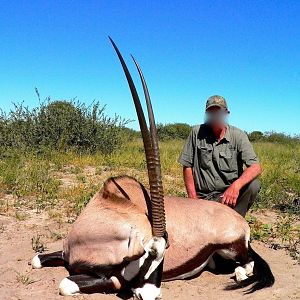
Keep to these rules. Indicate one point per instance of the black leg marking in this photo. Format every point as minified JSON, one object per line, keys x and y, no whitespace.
{"x":54,"y":259}
{"x":88,"y":284}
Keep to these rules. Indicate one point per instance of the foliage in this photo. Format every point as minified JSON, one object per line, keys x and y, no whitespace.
{"x":24,"y":278}
{"x":63,"y":182}
{"x":37,"y":245}
{"x":281,"y":176}
{"x":28,"y":176}
{"x":31,"y":175}
{"x":61,"y":125}
{"x":173,"y":131}
{"x":273,"y":137}
{"x":284,"y":233}
{"x":255,"y":136}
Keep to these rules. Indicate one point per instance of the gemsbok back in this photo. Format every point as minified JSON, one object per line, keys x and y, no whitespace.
{"x":120,"y":240}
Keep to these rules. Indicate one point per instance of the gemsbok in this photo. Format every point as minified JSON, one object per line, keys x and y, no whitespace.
{"x":121,"y":239}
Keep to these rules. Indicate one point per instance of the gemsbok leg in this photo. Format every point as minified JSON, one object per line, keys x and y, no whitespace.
{"x":54,"y":259}
{"x":87,"y":284}
{"x":148,"y":289}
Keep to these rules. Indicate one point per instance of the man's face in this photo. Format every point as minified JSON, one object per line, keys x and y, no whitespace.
{"x":216,"y":116}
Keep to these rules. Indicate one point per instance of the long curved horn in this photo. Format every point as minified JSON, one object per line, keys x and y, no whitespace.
{"x":157,"y":209}
{"x":136,"y":100}
{"x":157,"y":192}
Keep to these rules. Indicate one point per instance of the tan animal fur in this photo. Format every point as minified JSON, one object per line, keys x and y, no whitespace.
{"x":101,"y":235}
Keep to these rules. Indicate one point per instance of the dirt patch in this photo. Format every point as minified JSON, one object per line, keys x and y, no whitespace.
{"x":19,"y":281}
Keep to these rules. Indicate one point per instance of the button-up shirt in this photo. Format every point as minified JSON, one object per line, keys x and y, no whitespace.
{"x":216,"y":164}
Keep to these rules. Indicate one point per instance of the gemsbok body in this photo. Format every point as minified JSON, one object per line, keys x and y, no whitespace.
{"x":129,"y":237}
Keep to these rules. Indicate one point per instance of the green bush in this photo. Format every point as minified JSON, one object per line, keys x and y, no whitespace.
{"x":173,"y":131}
{"x":256,"y":136}
{"x":272,"y":137}
{"x":281,"y":138}
{"x":61,"y":125}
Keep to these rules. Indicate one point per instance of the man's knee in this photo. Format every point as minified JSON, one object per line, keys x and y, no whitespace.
{"x":247,"y":197}
{"x":254,"y":187}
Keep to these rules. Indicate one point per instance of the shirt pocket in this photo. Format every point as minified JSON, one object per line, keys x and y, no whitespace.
{"x":228,"y":162}
{"x":205,"y":156}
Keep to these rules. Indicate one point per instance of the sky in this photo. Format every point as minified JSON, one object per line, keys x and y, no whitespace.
{"x":246,"y":51}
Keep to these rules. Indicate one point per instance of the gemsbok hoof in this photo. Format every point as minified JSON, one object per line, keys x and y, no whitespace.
{"x":147,"y":292}
{"x":36,"y":262}
{"x":240,"y":274}
{"x":68,"y":287}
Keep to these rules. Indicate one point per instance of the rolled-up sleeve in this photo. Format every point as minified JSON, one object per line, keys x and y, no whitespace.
{"x":246,"y":151}
{"x":186,"y":157}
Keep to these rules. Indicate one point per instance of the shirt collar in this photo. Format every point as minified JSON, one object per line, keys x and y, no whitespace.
{"x":227,"y":134}
{"x":208,"y":133}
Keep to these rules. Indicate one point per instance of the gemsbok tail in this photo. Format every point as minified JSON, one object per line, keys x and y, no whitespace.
{"x":262,"y":274}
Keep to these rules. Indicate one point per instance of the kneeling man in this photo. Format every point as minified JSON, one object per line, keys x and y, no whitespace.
{"x":219,"y":162}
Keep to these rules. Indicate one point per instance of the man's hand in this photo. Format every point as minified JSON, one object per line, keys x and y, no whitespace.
{"x":231,"y":195}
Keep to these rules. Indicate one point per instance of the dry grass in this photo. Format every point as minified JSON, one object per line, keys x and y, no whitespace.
{"x":63,"y":182}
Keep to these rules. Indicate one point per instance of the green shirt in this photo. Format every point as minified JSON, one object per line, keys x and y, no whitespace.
{"x":216,"y":164}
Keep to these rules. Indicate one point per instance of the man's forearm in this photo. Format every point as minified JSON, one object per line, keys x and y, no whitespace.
{"x":248,"y":175}
{"x":189,"y":182}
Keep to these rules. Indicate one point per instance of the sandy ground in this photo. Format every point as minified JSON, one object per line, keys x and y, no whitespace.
{"x":19,"y":281}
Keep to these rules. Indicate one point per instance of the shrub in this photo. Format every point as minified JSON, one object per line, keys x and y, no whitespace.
{"x":61,"y":125}
{"x":281,"y":138}
{"x":272,"y":137}
{"x":255,"y":136}
{"x":173,"y":131}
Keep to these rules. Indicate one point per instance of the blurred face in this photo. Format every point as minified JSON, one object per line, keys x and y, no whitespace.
{"x":216,"y":117}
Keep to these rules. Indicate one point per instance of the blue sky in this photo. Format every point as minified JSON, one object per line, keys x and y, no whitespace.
{"x":247,"y":51}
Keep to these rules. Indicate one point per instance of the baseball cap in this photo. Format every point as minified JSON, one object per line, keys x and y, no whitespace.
{"x":216,"y":101}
